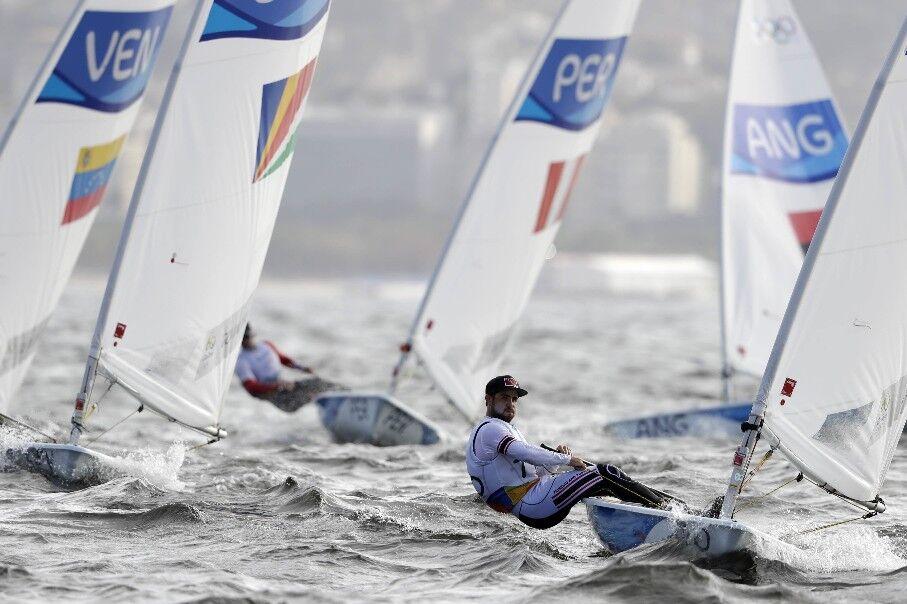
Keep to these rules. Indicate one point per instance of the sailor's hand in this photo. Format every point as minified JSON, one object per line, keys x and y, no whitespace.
{"x":305,"y":369}
{"x":564,"y":449}
{"x":577,"y":463}
{"x":284,"y":386}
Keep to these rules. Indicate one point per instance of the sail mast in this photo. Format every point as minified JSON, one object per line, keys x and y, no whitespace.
{"x":508,"y":116}
{"x":94,"y":353}
{"x":743,"y":454}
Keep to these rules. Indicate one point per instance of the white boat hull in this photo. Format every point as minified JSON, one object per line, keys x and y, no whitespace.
{"x":714,"y":422}
{"x":377,"y":419}
{"x":621,"y":527}
{"x":63,"y":464}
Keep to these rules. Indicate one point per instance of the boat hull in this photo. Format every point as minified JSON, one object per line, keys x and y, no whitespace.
{"x":714,"y":422}
{"x":622,"y":527}
{"x":373,"y":418}
{"x":64,"y":465}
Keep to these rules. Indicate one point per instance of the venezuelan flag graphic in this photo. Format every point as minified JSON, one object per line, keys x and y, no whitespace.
{"x":280,"y":102}
{"x":93,"y":169}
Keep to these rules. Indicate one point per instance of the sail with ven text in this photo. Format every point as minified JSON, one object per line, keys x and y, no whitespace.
{"x":57,"y":158}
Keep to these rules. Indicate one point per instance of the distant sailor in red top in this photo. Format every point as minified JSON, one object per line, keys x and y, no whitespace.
{"x":258,"y":368}
{"x":515,"y":477}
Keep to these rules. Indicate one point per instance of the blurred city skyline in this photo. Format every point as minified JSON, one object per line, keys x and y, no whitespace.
{"x":409,"y":92}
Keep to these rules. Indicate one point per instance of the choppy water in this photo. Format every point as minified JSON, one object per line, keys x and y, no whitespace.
{"x":278,"y":512}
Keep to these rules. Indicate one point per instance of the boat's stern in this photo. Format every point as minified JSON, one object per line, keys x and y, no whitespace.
{"x":62,"y":464}
{"x":378,"y":419}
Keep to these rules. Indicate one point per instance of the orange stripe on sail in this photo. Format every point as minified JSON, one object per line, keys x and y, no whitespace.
{"x":285,"y":115}
{"x":289,"y":90}
{"x":579,"y":166}
{"x":554,"y":178}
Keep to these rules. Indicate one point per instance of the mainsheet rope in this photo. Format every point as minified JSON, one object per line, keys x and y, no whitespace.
{"x":798,"y":478}
{"x":838,"y":523}
{"x":755,"y":500}
{"x":138,"y":410}
{"x":110,"y":385}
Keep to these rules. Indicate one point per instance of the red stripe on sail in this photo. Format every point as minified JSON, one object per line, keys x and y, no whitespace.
{"x":805,"y":224}
{"x":302,"y":88}
{"x":579,"y":166}
{"x":555,"y":171}
{"x":76,"y":208}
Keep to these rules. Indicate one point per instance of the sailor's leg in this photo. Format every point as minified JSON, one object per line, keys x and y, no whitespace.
{"x":615,"y":483}
{"x":550,"y":501}
{"x":290,"y":400}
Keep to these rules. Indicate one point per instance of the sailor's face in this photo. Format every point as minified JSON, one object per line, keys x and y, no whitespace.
{"x":503,"y":404}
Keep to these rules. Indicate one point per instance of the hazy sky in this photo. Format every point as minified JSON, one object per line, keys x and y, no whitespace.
{"x":418,"y":53}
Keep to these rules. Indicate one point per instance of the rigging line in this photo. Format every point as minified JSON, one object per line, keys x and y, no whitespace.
{"x":754,"y":500}
{"x":199,"y":446}
{"x":5,"y":418}
{"x":110,"y":384}
{"x":173,"y":420}
{"x":752,"y":473}
{"x":138,"y":410}
{"x":838,"y":523}
{"x":844,"y":499}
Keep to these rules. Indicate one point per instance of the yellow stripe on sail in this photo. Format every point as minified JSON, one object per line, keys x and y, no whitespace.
{"x":92,"y":158}
{"x":289,"y":90}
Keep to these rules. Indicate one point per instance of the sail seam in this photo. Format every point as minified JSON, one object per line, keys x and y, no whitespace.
{"x":864,"y":247}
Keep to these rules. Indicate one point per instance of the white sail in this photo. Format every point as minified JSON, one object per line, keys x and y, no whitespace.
{"x":836,"y":385}
{"x":783,"y":144}
{"x":57,"y":157}
{"x":202,"y":213}
{"x":518,"y":199}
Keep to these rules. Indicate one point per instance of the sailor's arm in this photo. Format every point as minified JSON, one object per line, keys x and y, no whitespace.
{"x":287,"y":361}
{"x":537,"y":456}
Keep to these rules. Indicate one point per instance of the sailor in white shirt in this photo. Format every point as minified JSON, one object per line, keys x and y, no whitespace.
{"x":258,"y":368}
{"x":513,"y":476}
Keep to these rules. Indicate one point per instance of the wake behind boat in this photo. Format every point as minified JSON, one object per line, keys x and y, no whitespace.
{"x":833,"y":399}
{"x":506,"y":226}
{"x":783,"y":143}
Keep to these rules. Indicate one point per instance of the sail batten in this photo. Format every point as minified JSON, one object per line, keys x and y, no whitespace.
{"x":517,"y":201}
{"x":203,"y":210}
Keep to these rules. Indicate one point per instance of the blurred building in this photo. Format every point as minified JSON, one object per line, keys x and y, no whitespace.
{"x":645,"y":166}
{"x":369,"y":160}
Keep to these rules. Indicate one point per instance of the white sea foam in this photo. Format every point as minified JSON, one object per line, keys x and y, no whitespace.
{"x":158,"y":468}
{"x":840,"y":548}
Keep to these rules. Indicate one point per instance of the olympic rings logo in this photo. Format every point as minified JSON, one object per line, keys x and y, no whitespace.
{"x":779,"y":30}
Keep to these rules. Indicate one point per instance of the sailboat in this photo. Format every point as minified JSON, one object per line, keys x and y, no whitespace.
{"x":833,"y":399}
{"x":199,"y":222}
{"x":56,"y":160}
{"x":784,"y":141}
{"x":505,"y":228}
